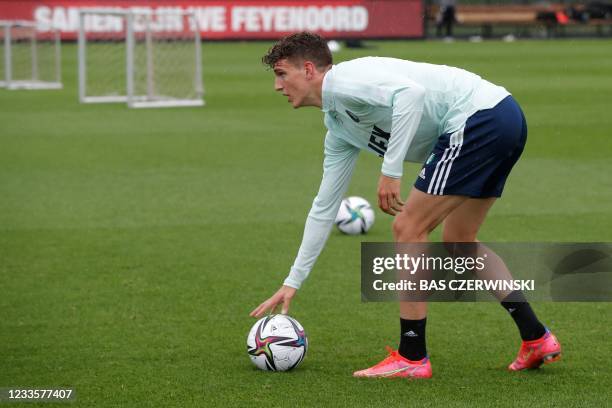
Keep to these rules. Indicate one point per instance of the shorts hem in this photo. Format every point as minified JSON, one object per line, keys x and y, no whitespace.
{"x":468,"y":193}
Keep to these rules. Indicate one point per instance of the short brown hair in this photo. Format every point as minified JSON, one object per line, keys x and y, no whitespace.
{"x":304,"y":46}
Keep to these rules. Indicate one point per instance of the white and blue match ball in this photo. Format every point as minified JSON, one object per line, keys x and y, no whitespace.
{"x":355,"y":216}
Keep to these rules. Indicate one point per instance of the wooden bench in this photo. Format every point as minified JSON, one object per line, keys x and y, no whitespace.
{"x":488,"y":16}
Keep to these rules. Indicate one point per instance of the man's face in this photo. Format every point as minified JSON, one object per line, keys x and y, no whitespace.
{"x":292,"y":81}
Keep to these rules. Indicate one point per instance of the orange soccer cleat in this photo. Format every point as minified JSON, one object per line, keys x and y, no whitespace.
{"x":534,"y":353}
{"x":397,"y":366}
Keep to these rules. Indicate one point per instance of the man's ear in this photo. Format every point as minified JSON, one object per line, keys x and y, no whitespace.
{"x":310,"y":69}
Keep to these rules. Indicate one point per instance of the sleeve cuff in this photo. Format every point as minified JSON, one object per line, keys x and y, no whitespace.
{"x":292,"y":283}
{"x":392,"y":174}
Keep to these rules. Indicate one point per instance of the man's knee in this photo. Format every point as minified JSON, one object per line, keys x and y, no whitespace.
{"x":421,"y":214}
{"x":409,"y":229}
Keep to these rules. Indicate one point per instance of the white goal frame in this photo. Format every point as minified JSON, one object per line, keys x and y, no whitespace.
{"x":131,"y":97}
{"x":34,"y":82}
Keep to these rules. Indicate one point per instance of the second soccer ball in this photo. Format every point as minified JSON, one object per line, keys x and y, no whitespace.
{"x":355,"y":216}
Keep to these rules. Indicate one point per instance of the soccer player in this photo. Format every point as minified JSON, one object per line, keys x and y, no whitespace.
{"x":468,"y":132}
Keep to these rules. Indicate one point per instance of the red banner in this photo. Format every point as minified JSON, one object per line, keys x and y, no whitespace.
{"x":243,"y":19}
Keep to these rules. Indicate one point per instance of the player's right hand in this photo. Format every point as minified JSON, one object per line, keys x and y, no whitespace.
{"x":389,"y":198}
{"x":283,"y":295}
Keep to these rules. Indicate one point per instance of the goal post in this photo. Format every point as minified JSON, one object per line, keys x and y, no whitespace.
{"x":30,"y":59}
{"x":142,"y":57}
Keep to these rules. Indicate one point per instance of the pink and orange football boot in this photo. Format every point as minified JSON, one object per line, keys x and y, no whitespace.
{"x":397,"y":366}
{"x":534,"y":353}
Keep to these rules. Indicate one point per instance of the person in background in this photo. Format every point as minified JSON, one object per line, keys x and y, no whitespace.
{"x":446,"y":18}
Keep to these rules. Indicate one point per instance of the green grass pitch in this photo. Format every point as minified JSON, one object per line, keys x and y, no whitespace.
{"x":134,"y":243}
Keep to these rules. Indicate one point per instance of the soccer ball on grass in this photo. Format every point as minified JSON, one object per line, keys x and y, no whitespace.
{"x":277,"y":343}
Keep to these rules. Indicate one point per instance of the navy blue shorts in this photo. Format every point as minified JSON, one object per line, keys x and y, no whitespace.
{"x":476,"y":160}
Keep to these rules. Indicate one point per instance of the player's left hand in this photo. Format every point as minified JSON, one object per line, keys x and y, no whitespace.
{"x":389,"y":199}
